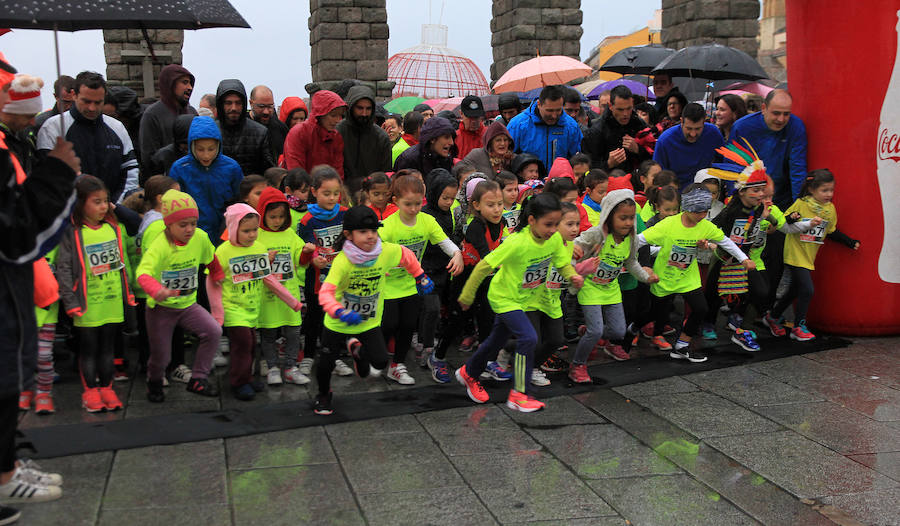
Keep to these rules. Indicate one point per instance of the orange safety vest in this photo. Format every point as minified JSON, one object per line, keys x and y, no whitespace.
{"x":20,"y":172}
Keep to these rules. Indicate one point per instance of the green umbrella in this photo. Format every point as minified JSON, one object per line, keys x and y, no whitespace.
{"x":402,"y":105}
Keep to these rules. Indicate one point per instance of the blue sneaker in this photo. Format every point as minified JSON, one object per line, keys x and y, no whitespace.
{"x":244,"y":392}
{"x":495,"y":371}
{"x":709,"y":332}
{"x":745,"y":340}
{"x":439,"y":371}
{"x":735,"y":321}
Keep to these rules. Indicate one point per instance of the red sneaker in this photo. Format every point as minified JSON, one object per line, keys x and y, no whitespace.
{"x":473,"y":388}
{"x":91,"y":401}
{"x":43,"y":404}
{"x":521,"y":402}
{"x":647,"y":331}
{"x":579,"y":374}
{"x":110,"y":399}
{"x":660,"y":343}
{"x":25,"y":398}
{"x":616,"y":352}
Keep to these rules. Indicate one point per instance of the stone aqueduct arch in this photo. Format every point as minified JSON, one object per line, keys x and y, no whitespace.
{"x":349,"y":38}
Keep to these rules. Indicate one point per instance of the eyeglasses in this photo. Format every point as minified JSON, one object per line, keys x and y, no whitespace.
{"x":264,"y":106}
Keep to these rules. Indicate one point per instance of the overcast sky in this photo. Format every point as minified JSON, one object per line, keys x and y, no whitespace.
{"x":276,"y":51}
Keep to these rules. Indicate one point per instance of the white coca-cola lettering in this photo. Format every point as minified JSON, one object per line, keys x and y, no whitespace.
{"x":888,"y":146}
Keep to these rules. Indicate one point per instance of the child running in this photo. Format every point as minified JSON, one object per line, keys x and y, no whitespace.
{"x":352,"y":295}
{"x":93,"y":288}
{"x":524,"y":259}
{"x":168,"y":273}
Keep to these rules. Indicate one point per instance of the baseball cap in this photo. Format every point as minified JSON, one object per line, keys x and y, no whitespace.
{"x":472,"y":106}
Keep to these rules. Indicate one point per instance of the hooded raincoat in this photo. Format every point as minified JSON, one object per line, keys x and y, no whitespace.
{"x":247,"y":141}
{"x":308,"y":144}
{"x":367,"y":148}
{"x":157,"y":121}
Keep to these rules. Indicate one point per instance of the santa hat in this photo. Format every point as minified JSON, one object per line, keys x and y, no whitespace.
{"x":746,"y":169}
{"x":24,"y":95}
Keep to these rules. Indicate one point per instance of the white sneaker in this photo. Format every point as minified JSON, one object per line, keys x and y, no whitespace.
{"x":399,"y":374}
{"x":224,"y":346}
{"x":31,"y":467}
{"x":503,"y":358}
{"x":182,"y":374}
{"x":165,"y":381}
{"x":263,"y":367}
{"x":24,"y":487}
{"x":342,"y":369}
{"x":220,"y":360}
{"x":305,"y":366}
{"x":294,"y":376}
{"x":373,"y":372}
{"x":538,"y":378}
{"x":273,"y":377}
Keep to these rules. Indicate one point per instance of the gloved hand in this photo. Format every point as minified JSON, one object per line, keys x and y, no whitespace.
{"x":349,"y":317}
{"x":424,"y":284}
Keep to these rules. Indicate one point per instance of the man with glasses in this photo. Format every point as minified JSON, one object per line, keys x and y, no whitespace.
{"x":262,"y":110}
{"x":176,"y":84}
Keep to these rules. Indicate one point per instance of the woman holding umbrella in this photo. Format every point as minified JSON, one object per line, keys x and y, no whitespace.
{"x":729,"y":108}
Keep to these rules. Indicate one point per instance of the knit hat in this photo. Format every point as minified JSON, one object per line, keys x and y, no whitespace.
{"x":24,"y":95}
{"x":620,"y":183}
{"x":697,"y":200}
{"x":177,"y":206}
{"x":745,"y":168}
{"x":7,"y":72}
{"x":470,"y":186}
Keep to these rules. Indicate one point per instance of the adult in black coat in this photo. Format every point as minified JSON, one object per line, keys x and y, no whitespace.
{"x":618,"y":139}
{"x":243,"y":139}
{"x":435,"y":148}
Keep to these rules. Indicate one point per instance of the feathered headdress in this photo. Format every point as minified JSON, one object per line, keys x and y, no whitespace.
{"x":746,"y":169}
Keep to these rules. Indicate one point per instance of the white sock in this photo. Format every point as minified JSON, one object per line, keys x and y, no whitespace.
{"x":681,"y":344}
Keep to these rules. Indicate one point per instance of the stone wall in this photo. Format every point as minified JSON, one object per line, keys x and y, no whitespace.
{"x":522,"y":28}
{"x":349,"y":40}
{"x":166,"y":43}
{"x":732,"y":23}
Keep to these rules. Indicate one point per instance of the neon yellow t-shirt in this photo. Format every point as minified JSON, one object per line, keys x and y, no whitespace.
{"x":776,"y":218}
{"x":295,"y":224}
{"x":676,"y":263}
{"x":602,"y":287}
{"x":524,"y":266}
{"x":361,"y":289}
{"x":800,"y":249}
{"x":647,"y":212}
{"x":547,"y":299}
{"x":399,"y":284}
{"x":176,"y":267}
{"x":245,"y":268}
{"x":592,"y":215}
{"x":273,"y":312}
{"x":104,"y":265}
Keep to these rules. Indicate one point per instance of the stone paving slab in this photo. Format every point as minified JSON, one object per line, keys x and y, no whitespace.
{"x":672,"y":384}
{"x":672,"y":499}
{"x":561,"y":411}
{"x":801,"y":466}
{"x":314,"y":494}
{"x":196,"y":515}
{"x":602,"y":451}
{"x":838,"y":428}
{"x":529,"y":486}
{"x":84,"y":479}
{"x":797,"y":370}
{"x":707,"y":415}
{"x":750,"y":388}
{"x":294,"y":447}
{"x":453,"y":506}
{"x":885,"y":463}
{"x":878,"y":508}
{"x":377,"y":426}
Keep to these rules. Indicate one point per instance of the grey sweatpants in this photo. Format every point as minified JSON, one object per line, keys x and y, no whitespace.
{"x":270,"y":348}
{"x":601,"y":321}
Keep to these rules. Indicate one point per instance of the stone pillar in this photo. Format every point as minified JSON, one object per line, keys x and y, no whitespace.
{"x":520,"y":29}
{"x":732,"y":23}
{"x":125,"y":51}
{"x":349,"y":40}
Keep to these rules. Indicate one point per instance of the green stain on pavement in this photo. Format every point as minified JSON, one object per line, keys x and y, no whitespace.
{"x":757,"y":480}
{"x":602,"y":467}
{"x":713,"y":496}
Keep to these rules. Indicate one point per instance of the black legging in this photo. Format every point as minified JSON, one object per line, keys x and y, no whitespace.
{"x":456,"y":319}
{"x":662,"y":310}
{"x":373,"y":352}
{"x":313,"y":320}
{"x":801,"y":288}
{"x":95,"y":356}
{"x":550,"y":335}
{"x":9,"y":418}
{"x":401,"y":316}
{"x":773,"y":257}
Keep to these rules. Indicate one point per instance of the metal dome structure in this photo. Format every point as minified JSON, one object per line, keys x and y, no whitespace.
{"x":432,"y":70}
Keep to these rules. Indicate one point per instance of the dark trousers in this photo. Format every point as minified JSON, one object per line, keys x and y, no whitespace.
{"x":401,"y":316}
{"x":372,"y":352}
{"x":95,"y":353}
{"x":456,"y":321}
{"x":9,"y":419}
{"x":549,"y":332}
{"x":241,"y":340}
{"x":802,"y":290}
{"x":773,"y":257}
{"x":516,"y":324}
{"x":662,"y":310}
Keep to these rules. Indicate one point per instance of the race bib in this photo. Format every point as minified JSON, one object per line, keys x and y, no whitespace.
{"x":249,"y":267}
{"x":104,"y":257}
{"x":512,"y":218}
{"x":556,"y":280}
{"x":184,"y":281}
{"x":536,"y":274}
{"x":816,"y":234}
{"x":681,"y":257}
{"x":282,"y":266}
{"x":606,"y":273}
{"x":326,"y":238}
{"x":366,"y":306}
{"x":739,"y":234}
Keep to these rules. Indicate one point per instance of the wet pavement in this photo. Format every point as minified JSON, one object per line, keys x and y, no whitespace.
{"x":809,"y":439}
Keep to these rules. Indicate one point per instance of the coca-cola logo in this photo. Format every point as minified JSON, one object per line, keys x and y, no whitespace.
{"x":888,"y":146}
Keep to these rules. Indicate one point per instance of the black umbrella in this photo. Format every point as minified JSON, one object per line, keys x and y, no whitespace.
{"x":711,"y":62}
{"x":637,"y":59}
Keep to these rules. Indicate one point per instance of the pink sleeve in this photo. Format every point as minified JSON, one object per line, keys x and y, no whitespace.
{"x":410,"y":263}
{"x":327,"y":300}
{"x":214,"y":292}
{"x":149,"y":284}
{"x":283,"y":294}
{"x":588,"y":266}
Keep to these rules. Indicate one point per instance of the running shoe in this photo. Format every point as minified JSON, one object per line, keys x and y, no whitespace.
{"x":468,"y":344}
{"x":43,"y":404}
{"x":801,"y":333}
{"x":273,"y":377}
{"x":342,"y":369}
{"x":473,"y":387}
{"x":774,"y":325}
{"x":398,"y":373}
{"x":745,"y":340}
{"x":91,"y":400}
{"x":660,"y":343}
{"x":616,"y":352}
{"x":538,"y":378}
{"x":493,"y":370}
{"x":523,"y":403}
{"x":686,"y":354}
{"x":578,"y":373}
{"x":245,"y":392}
{"x":25,"y":398}
{"x":202,"y":386}
{"x":439,"y":371}
{"x":709,"y":332}
{"x":182,"y":374}
{"x":30,"y":467}
{"x":110,"y":399}
{"x":24,"y":487}
{"x":305,"y":366}
{"x":294,"y":376}
{"x":322,"y":404}
{"x":735,"y":321}
{"x":554,"y":364}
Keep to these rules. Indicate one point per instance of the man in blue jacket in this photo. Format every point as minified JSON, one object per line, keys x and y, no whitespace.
{"x":780,"y":140}
{"x":689,"y":146}
{"x":543,"y":130}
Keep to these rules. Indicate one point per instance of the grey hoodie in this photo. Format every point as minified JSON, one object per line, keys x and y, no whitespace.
{"x":592,"y":239}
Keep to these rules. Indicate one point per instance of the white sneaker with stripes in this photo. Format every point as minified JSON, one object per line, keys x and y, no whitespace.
{"x":25,"y":487}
